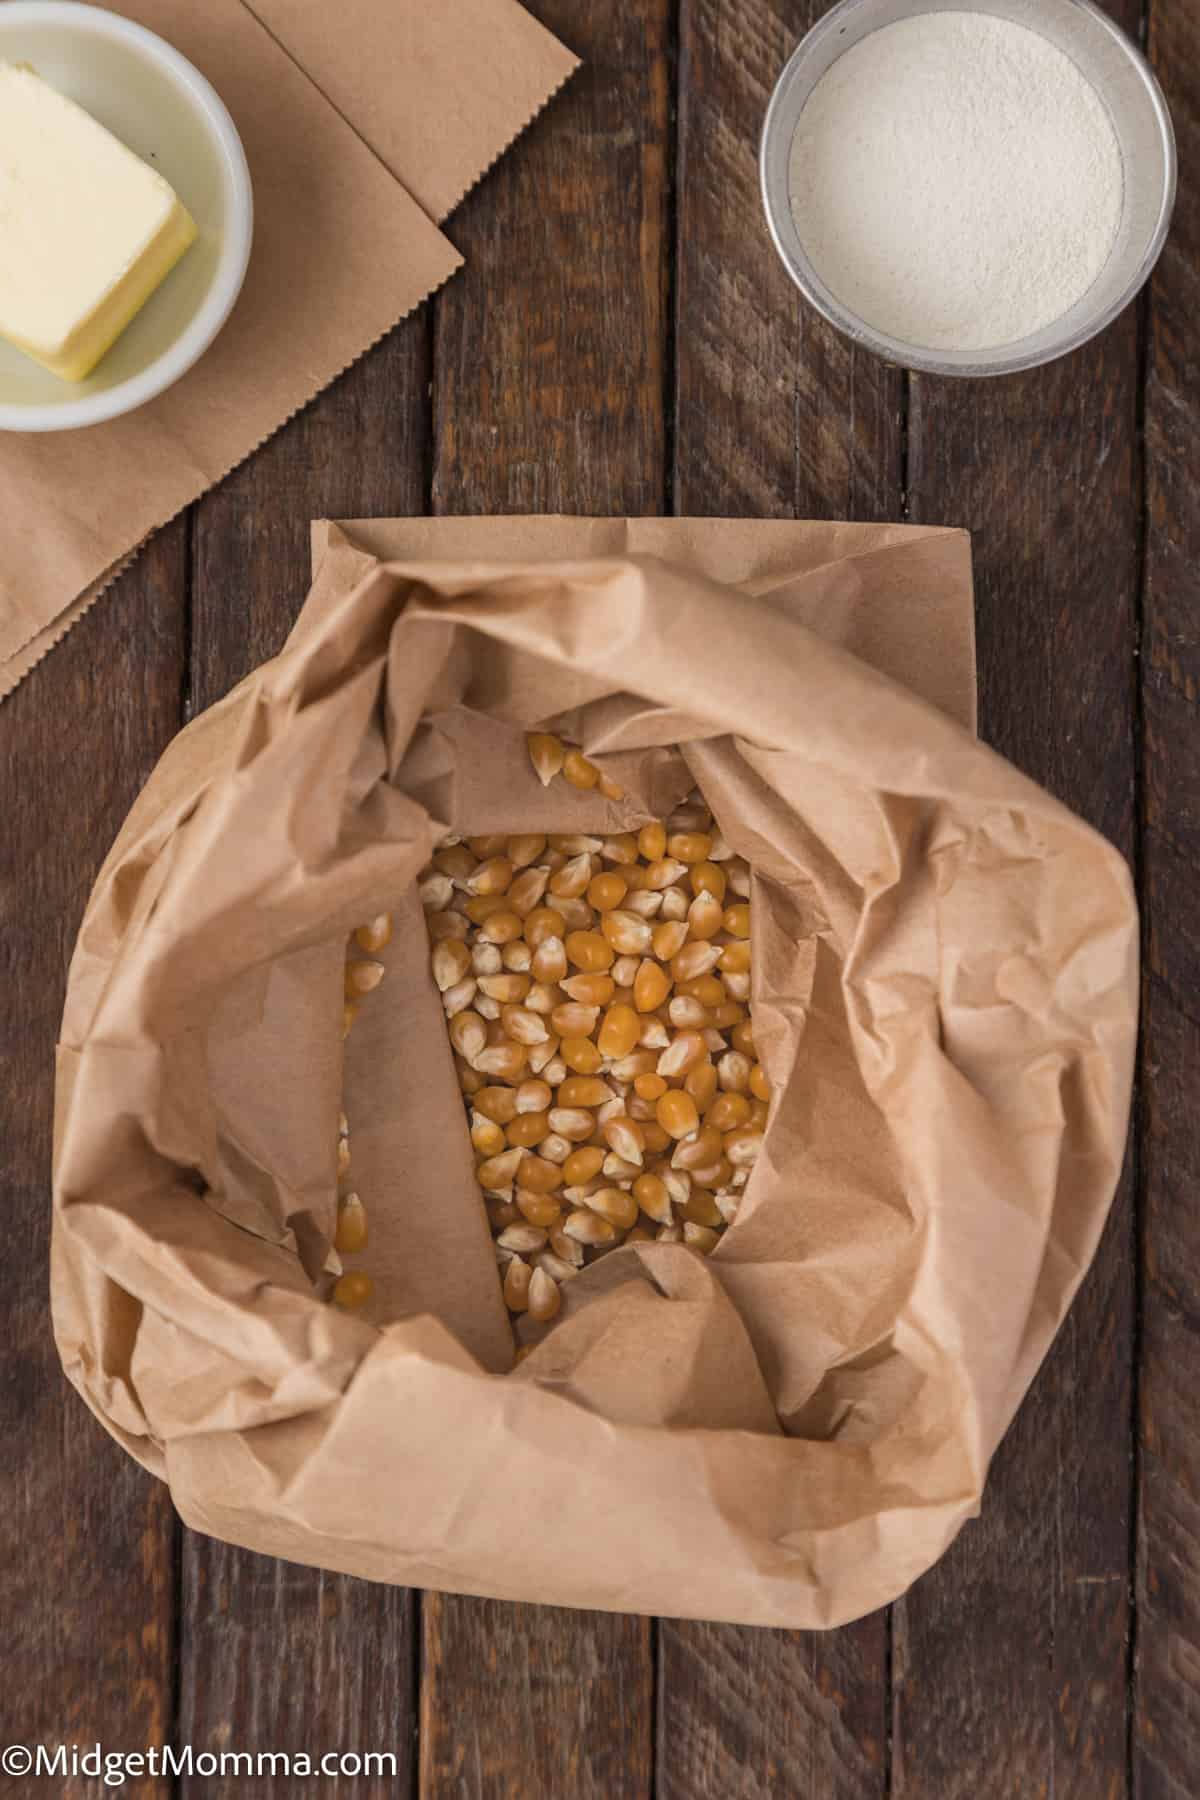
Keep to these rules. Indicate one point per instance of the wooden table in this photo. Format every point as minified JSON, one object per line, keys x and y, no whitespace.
{"x":623,"y":340}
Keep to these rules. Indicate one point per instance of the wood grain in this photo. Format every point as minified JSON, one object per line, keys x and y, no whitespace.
{"x":549,"y":374}
{"x":1166,"y":1742}
{"x":87,"y":1538}
{"x":272,"y":1655}
{"x":1010,"y":1658}
{"x":776,"y":416}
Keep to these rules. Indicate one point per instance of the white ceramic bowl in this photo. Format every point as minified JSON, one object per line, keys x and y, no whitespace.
{"x":1125,"y":83}
{"x":152,"y":98}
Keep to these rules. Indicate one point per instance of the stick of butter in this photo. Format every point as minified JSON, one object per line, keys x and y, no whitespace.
{"x":87,"y":229}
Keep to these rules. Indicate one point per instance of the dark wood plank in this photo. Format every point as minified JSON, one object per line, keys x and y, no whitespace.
{"x":1166,"y":1743}
{"x":87,"y":1538}
{"x":274,"y":1656}
{"x":550,"y":347}
{"x":522,"y":1701}
{"x":1010,"y":1658}
{"x":548,"y":396}
{"x":776,"y":416}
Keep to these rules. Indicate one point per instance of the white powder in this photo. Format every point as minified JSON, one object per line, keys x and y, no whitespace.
{"x":956,"y":181}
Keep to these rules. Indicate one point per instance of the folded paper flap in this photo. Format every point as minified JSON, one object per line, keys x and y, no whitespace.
{"x":898,"y":596}
{"x":337,"y":110}
{"x":439,"y":92}
{"x":945,"y":993}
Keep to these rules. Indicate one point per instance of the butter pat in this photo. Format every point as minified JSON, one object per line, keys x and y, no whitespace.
{"x":87,"y":229}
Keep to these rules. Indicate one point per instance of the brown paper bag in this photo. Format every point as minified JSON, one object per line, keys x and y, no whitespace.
{"x":786,"y":1433}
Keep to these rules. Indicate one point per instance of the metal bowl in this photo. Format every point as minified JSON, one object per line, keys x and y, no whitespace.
{"x":1125,"y":83}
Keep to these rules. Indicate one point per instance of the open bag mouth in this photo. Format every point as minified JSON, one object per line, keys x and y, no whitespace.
{"x":944,"y":1001}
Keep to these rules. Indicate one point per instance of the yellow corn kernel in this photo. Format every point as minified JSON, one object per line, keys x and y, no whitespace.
{"x":704,"y":917}
{"x":589,"y":1228}
{"x":502,"y":927}
{"x":652,"y":841}
{"x":549,"y":962}
{"x":490,"y":845}
{"x":468,"y":1034}
{"x":624,"y":1136}
{"x":682,"y":1054}
{"x":487,"y":1137}
{"x":538,"y":1176}
{"x":498,"y":1172}
{"x":708,"y":878}
{"x":583,"y":1090}
{"x":518,"y":1278}
{"x":650,"y":1192}
{"x":628,"y":933}
{"x":469,"y":1080}
{"x":543,"y":1210}
{"x":619,"y":1032}
{"x":707,"y":989}
{"x":527,"y":891}
{"x":733,"y":1071}
{"x":522,"y":1026}
{"x":687,"y":1014}
{"x":694,"y":960}
{"x":501,"y":1213}
{"x":590,"y":990}
{"x":491,"y":877}
{"x":742,"y":1038}
{"x":615,"y":1205}
{"x":657,"y":1140}
{"x":546,"y":753}
{"x":676,"y":1112}
{"x":496,"y":1103}
{"x":649,"y":1087}
{"x":700,"y":1237}
{"x":542,"y":1301}
{"x":742,"y":1146}
{"x":736,"y":919}
{"x":735,"y":957}
{"x":455,"y":861}
{"x":582,"y":1165}
{"x":663,"y":873}
{"x":528,"y":1129}
{"x":606,"y":891}
{"x":727,"y":1112}
{"x":576,"y":1124}
{"x":572,"y":1020}
{"x":508,"y":1061}
{"x":542,"y":923}
{"x":689,"y":846}
{"x":635,"y":877}
{"x":702,"y":1148}
{"x":702,"y":1209}
{"x":350,"y":1232}
{"x":589,"y":952}
{"x":569,"y":882}
{"x":450,"y":961}
{"x":668,"y":938}
{"x":581,"y":1055}
{"x":480,"y":907}
{"x":758,"y":1115}
{"x":508,"y":988}
{"x":374,"y":934}
{"x":728,"y":1014}
{"x":362,"y":978}
{"x":353,"y":1290}
{"x":760,"y":1087}
{"x":608,"y":787}
{"x":621,"y":849}
{"x":524,"y":849}
{"x":533,"y":1096}
{"x":651,"y":985}
{"x":579,"y":771}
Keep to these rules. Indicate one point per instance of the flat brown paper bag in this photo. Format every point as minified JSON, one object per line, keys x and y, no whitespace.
{"x":785,"y":1433}
{"x":363,"y":124}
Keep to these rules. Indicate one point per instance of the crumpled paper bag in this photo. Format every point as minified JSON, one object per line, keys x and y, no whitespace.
{"x":786,"y":1433}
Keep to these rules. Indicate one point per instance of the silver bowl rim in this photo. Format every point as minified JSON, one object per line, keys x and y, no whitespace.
{"x":912,"y":356}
